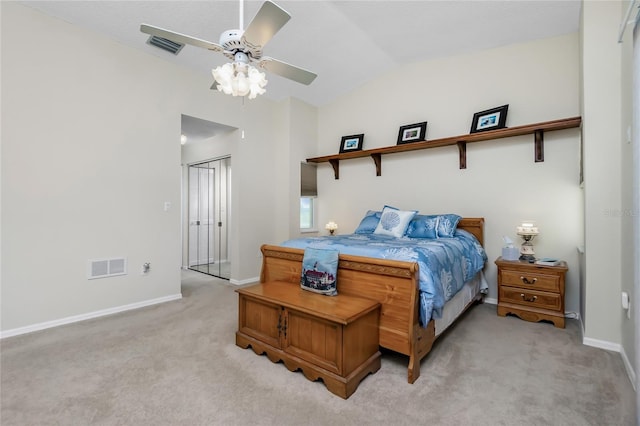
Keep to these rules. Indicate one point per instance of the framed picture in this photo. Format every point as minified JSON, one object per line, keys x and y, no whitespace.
{"x":351,"y":143}
{"x":412,"y":133}
{"x":490,"y":119}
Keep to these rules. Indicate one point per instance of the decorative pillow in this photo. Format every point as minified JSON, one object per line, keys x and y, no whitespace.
{"x":422,"y":226}
{"x":320,"y":271}
{"x":368,"y":223}
{"x":447,"y":224}
{"x":394,"y":222}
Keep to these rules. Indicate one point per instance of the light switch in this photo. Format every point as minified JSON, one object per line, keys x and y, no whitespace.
{"x":625,"y":300}
{"x":167,"y":206}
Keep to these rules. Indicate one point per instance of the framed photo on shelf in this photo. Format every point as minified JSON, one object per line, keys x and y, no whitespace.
{"x":412,"y":133}
{"x":491,"y":119}
{"x":351,"y":143}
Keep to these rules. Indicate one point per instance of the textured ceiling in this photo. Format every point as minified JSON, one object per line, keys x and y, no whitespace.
{"x":345,"y":42}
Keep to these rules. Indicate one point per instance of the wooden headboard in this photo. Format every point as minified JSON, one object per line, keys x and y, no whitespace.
{"x":474,"y":225}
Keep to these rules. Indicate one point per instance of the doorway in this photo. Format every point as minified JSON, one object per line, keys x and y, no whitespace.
{"x":208,"y":211}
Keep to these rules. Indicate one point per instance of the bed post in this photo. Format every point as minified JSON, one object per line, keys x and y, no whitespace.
{"x":414,"y":337}
{"x":422,"y":341}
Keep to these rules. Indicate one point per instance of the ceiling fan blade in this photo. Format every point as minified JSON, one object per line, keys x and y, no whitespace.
{"x":180,"y":38}
{"x":287,"y":70}
{"x":268,"y":21}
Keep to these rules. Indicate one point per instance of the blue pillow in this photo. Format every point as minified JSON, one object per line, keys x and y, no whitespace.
{"x":394,"y":222}
{"x":368,"y":223}
{"x":320,"y":271}
{"x":447,"y":224}
{"x":422,"y":226}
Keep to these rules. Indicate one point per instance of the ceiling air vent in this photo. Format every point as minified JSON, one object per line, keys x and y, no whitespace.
{"x":164,"y":44}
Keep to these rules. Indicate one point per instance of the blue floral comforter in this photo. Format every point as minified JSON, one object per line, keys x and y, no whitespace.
{"x":445,"y":263}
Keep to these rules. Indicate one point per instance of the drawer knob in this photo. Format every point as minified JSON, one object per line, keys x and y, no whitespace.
{"x":528,"y":281}
{"x":528,"y":299}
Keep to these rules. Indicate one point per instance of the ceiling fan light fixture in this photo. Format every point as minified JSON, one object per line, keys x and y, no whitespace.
{"x":239,"y":79}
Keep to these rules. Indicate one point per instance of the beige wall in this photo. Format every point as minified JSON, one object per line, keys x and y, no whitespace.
{"x":75,"y":160}
{"x":611,"y":179}
{"x":303,"y":139}
{"x":502,"y":183}
{"x":272,"y":172}
{"x":603,"y":145}
{"x":630,"y":215}
{"x":90,"y":153}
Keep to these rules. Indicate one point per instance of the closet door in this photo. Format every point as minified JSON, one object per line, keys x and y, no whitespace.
{"x":209,"y":200}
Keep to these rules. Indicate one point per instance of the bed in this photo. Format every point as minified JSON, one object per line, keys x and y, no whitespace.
{"x":396,"y":284}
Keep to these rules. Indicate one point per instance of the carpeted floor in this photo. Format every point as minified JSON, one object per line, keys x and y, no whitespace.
{"x":177,"y":364}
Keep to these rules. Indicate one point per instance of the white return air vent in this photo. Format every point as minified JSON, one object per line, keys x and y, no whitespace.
{"x":102,"y":268}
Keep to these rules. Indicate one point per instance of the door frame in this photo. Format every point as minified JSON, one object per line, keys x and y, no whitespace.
{"x":218,"y":230}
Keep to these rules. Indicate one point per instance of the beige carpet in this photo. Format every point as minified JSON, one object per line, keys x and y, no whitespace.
{"x":177,"y":364}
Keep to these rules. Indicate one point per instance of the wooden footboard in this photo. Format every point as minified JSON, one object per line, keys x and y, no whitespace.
{"x":392,"y":283}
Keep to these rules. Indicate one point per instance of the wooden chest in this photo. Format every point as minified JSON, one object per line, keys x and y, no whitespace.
{"x":333,"y":338}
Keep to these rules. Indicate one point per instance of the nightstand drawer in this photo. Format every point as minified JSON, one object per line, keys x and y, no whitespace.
{"x":539,"y":299}
{"x":530,"y":280}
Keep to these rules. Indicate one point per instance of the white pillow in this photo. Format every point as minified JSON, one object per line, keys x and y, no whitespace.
{"x":394,"y":222}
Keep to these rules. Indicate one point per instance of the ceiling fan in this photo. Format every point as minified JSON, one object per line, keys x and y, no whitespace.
{"x":244,"y":48}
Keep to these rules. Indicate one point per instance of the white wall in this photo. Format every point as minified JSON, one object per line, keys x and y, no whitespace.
{"x":502,"y":183}
{"x":90,"y":153}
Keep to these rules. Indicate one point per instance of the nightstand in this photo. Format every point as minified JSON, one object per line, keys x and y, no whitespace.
{"x":532,"y":292}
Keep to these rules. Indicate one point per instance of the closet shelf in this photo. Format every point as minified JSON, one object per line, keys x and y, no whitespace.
{"x":376,"y":154}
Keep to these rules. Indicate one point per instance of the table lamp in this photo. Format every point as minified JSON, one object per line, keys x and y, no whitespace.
{"x":331,"y":227}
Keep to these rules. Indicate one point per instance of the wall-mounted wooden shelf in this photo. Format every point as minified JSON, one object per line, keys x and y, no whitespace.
{"x":536,"y":129}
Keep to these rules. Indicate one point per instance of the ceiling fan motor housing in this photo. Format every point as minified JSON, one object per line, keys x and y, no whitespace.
{"x":232,"y":42}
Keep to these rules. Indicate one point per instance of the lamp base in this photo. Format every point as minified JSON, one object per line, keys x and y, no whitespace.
{"x":528,"y":258}
{"x":526,"y":249}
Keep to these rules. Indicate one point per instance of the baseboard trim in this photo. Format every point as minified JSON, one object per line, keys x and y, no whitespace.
{"x":614,"y":347}
{"x":602,"y":344}
{"x":90,"y":315}
{"x":246,"y":281}
{"x":629,"y":367}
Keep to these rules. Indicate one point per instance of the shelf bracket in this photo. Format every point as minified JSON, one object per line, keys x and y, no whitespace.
{"x":336,"y":168}
{"x":539,"y":145}
{"x":462,"y":151}
{"x":377,"y":158}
